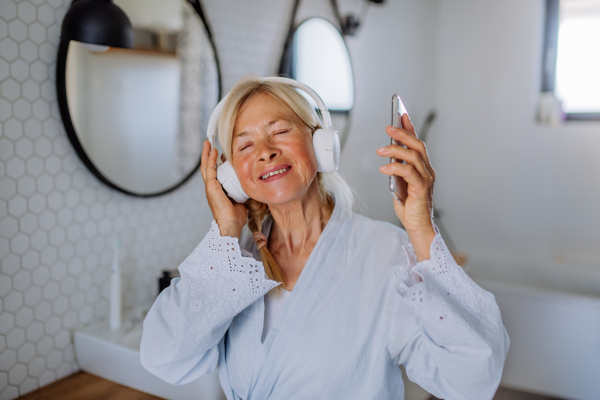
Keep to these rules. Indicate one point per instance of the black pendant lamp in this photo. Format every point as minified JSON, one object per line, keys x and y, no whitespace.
{"x":98,"y":22}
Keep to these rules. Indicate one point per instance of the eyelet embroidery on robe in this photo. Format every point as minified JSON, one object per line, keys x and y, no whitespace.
{"x":217,"y":281}
{"x":429,"y":287}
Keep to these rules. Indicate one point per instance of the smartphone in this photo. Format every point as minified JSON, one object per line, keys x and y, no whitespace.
{"x":398,"y":186}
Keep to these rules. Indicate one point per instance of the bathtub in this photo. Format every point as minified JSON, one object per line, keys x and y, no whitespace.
{"x":555,"y":337}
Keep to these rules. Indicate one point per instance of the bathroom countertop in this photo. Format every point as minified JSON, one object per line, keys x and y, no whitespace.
{"x":82,"y":385}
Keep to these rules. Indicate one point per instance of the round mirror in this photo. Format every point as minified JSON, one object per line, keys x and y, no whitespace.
{"x":316,"y":55}
{"x":138,"y":117}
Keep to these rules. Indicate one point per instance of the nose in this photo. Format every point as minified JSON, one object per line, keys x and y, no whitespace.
{"x":267,"y":151}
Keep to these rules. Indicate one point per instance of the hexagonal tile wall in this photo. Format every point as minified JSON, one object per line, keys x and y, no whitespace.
{"x":58,"y":223}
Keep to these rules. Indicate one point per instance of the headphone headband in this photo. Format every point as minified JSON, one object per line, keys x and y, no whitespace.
{"x":214,"y":118}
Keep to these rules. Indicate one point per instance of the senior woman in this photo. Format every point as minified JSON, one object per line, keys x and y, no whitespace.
{"x":338,"y":301}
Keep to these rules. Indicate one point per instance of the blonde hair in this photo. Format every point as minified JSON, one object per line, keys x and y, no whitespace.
{"x":332,"y":186}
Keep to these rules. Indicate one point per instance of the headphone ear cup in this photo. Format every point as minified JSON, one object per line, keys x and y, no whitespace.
{"x":230,"y":182}
{"x":326,"y":143}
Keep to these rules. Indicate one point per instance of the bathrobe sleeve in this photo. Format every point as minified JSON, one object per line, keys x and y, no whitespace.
{"x":445,"y":329}
{"x":190,"y":317}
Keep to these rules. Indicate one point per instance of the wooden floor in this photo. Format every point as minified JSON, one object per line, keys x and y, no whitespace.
{"x":511,"y":394}
{"x":82,"y":385}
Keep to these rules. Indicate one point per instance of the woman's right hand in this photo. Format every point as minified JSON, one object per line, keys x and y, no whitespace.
{"x":229,"y":215}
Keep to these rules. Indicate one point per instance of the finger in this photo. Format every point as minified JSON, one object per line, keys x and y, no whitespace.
{"x":211,"y":167}
{"x":410,"y":141}
{"x":409,"y":173}
{"x":204,"y":159}
{"x":412,"y":157}
{"x":407,"y":124}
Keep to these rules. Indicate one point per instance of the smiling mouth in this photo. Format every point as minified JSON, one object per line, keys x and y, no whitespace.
{"x":273,"y":173}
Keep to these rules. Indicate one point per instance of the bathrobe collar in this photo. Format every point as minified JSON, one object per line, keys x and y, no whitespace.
{"x":304,"y":298}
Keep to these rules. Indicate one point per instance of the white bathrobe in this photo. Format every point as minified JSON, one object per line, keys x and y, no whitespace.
{"x":361,"y":307}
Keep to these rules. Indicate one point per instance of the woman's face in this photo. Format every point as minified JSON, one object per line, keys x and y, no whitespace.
{"x":272,"y":151}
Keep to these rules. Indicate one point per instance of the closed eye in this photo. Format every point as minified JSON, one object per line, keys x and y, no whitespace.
{"x":285,"y":131}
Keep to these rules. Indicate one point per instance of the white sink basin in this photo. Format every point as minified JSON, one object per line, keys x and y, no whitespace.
{"x":116,"y":357}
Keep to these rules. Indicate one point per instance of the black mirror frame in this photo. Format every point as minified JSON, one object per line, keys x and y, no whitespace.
{"x":63,"y":105}
{"x":285,"y":70}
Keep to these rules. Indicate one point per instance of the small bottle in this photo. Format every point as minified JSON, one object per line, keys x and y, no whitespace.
{"x":115,"y":290}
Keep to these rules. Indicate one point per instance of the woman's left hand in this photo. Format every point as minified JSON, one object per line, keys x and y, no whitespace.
{"x":416,"y":214}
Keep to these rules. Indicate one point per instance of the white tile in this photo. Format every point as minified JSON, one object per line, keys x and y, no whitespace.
{"x":30,"y":260}
{"x":22,"y":280}
{"x":26,"y":186}
{"x":55,"y":200}
{"x":64,"y":370}
{"x":8,"y":359}
{"x":17,"y":206}
{"x":28,"y":223}
{"x":19,"y":244}
{"x":5,"y":285}
{"x":84,"y":281}
{"x":69,"y":319}
{"x":26,"y":353}
{"x":52,"y":164}
{"x":4,"y":70}
{"x":17,"y":374}
{"x":8,"y":10}
{"x":65,"y":217}
{"x":89,"y":229}
{"x":36,"y":367}
{"x":7,"y":149}
{"x":28,"y":51}
{"x":47,"y":220}
{"x":45,"y":184}
{"x":33,"y":295}
{"x":13,"y":301}
{"x":10,"y":264}
{"x":45,"y":15}
{"x":47,"y":378}
{"x":54,"y":359}
{"x":26,"y":12}
{"x":81,"y":214}
{"x":17,"y":30}
{"x":41,"y":275}
{"x":42,"y":311}
{"x":59,"y":271}
{"x":39,"y":72}
{"x":50,"y":290}
{"x":28,"y":385}
{"x":19,"y":70}
{"x":33,"y":128}
{"x":72,"y":198}
{"x":24,"y":148}
{"x":8,"y":227}
{"x":13,"y":128}
{"x":7,"y":322}
{"x":15,"y":168}
{"x":37,"y":203}
{"x":47,"y":54}
{"x":7,"y":188}
{"x":9,"y":50}
{"x":15,"y":338}
{"x":24,"y":317}
{"x":34,"y":331}
{"x":77,"y":300}
{"x":57,"y":236}
{"x":44,"y":346}
{"x":66,"y":251}
{"x":52,"y":325}
{"x":43,"y":146}
{"x":49,"y":255}
{"x":62,"y":182}
{"x":35,"y":166}
{"x":11,"y":392}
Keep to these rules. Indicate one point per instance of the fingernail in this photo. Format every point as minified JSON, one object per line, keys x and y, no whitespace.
{"x":380,"y":149}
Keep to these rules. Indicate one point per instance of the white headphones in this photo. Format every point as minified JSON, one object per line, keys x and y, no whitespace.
{"x":326,"y":143}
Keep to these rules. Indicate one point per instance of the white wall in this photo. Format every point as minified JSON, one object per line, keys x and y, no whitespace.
{"x":521,"y":199}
